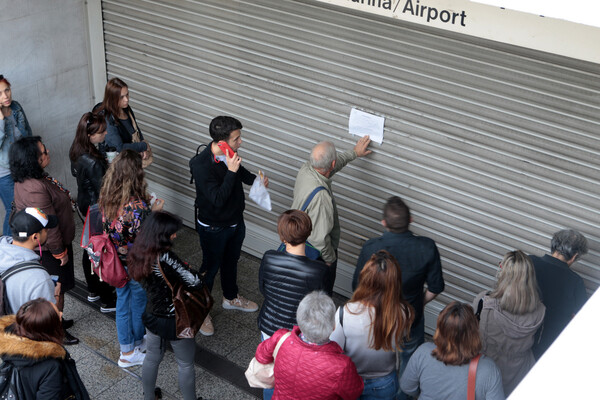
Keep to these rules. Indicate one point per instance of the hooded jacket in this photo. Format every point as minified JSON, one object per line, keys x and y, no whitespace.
{"x":508,"y":338}
{"x":25,"y":285}
{"x":46,"y":369}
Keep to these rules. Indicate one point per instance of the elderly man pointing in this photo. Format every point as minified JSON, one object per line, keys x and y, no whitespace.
{"x":312,"y":193}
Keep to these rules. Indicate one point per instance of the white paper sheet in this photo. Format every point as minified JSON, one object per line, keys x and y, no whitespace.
{"x":362,"y":123}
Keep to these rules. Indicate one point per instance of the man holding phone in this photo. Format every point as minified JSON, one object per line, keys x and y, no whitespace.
{"x":220,"y":204}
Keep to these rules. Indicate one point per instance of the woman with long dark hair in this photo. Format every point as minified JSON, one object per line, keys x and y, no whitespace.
{"x":440,"y":370}
{"x":31,"y":341}
{"x":35,"y":188}
{"x":88,"y":165}
{"x":125,"y":203}
{"x":150,"y":253}
{"x":373,"y":324}
{"x":121,"y":124}
{"x":510,"y":315}
{"x":13,"y":126}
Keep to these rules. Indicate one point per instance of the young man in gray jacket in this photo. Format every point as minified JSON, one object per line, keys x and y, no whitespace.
{"x":30,"y":230}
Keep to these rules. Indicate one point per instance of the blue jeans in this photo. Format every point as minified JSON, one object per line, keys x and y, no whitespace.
{"x":7,"y":193}
{"x":384,"y":387}
{"x":131,"y":303}
{"x":221,"y":249}
{"x":417,"y":338}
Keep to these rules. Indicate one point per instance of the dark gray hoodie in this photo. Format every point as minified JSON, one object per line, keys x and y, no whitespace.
{"x":25,"y":285}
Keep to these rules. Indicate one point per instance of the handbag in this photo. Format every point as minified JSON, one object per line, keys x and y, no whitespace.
{"x":136,"y":138}
{"x":263,"y":375}
{"x":472,"y":375}
{"x":11,"y":386}
{"x":192,"y":305}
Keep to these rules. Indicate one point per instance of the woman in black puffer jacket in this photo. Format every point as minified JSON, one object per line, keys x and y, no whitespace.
{"x":153,"y":243}
{"x":284,"y":278}
{"x":88,"y":165}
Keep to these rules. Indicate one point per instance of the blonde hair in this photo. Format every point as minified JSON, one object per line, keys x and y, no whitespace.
{"x":516,"y":285}
{"x":123,"y":181}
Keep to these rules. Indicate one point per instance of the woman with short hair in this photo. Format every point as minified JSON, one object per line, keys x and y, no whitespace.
{"x":88,"y":165}
{"x":284,"y":278}
{"x":31,"y":341}
{"x":13,"y":126}
{"x":125,"y":203}
{"x":372,"y":326}
{"x":510,"y":315}
{"x":439,"y":370}
{"x":309,"y":365}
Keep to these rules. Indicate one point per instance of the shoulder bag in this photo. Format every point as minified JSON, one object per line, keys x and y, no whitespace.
{"x":136,"y":138}
{"x":472,"y":375}
{"x":263,"y":375}
{"x":191,"y":307}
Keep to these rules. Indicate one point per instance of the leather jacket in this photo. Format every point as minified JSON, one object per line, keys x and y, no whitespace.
{"x":89,"y":172}
{"x":160,"y":297}
{"x":284,"y":279}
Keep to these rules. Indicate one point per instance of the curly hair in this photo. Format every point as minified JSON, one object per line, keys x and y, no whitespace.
{"x":153,"y":238}
{"x":123,"y":180}
{"x":380,"y":287}
{"x":24,"y":159}
{"x":88,"y":125}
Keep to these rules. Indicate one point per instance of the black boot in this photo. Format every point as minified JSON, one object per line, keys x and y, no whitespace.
{"x":69,"y":339}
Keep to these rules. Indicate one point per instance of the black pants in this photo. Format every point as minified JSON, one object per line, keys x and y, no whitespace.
{"x":94,"y":285}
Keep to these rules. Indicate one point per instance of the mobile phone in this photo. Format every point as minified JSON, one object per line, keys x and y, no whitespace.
{"x":225,"y":147}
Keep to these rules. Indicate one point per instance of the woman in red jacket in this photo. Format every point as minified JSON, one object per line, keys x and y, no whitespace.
{"x":309,"y":365}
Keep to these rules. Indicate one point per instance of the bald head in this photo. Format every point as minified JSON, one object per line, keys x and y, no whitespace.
{"x":322,"y":156}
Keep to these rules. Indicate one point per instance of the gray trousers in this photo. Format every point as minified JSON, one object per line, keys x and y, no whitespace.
{"x":184,"y":350}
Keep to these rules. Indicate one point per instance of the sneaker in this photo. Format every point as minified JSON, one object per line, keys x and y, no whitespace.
{"x":135,"y":358}
{"x":106,"y":308}
{"x":207,"y":328}
{"x":92,"y":297}
{"x":240,"y":303}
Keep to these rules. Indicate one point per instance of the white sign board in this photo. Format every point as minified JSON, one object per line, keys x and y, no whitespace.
{"x":553,"y":35}
{"x":362,"y":123}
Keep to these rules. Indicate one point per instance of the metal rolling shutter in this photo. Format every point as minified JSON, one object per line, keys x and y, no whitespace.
{"x":494,"y":147}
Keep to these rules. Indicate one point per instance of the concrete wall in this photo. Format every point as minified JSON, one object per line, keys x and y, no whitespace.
{"x":45,"y":58}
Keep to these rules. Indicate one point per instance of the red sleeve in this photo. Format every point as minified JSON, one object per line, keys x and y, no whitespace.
{"x":264,"y":351}
{"x":350,"y":384}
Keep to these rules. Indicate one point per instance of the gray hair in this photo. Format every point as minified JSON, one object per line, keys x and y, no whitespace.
{"x":322,"y":155}
{"x":315,"y":317}
{"x":516,"y":288}
{"x":569,"y":243}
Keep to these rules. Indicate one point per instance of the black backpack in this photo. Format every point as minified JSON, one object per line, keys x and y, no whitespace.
{"x":10,"y":382}
{"x":5,"y":308}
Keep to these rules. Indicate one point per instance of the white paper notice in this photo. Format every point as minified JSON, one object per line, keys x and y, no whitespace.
{"x":362,"y":123}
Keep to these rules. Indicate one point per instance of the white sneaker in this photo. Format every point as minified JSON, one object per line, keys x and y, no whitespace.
{"x":240,"y":303}
{"x":207,"y":328}
{"x":135,"y":358}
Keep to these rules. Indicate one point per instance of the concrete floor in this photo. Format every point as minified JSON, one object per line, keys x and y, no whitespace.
{"x":220,"y":359}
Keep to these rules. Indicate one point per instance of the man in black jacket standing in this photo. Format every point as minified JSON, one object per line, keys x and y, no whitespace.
{"x":220,"y":204}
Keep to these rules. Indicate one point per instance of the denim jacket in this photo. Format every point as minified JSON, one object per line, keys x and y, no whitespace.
{"x":7,"y":131}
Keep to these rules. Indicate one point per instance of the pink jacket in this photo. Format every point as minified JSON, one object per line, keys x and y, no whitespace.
{"x":307,"y":371}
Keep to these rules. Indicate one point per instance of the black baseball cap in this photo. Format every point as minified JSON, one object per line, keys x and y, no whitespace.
{"x":31,"y":220}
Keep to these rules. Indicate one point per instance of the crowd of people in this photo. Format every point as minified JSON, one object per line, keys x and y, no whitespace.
{"x":372,"y":347}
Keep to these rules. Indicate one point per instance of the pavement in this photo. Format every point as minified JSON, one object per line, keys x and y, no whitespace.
{"x":221,"y":359}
